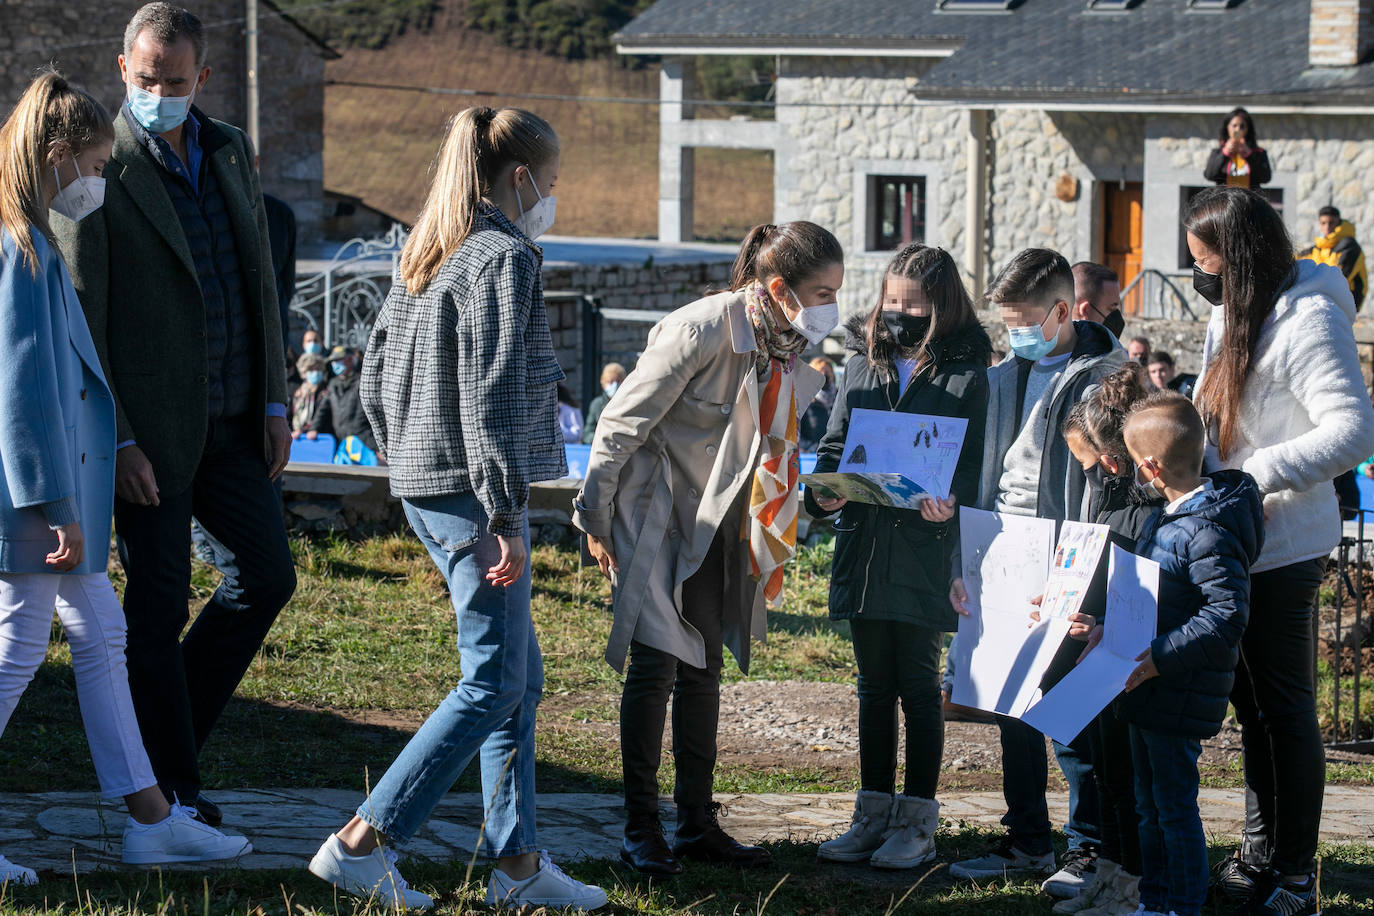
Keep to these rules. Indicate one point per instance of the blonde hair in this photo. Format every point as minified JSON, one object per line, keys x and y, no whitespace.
{"x":50,"y":112}
{"x":480,"y":143}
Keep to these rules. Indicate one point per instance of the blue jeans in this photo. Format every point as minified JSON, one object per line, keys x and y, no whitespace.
{"x":1085,"y":816}
{"x":1173,"y":849}
{"x":491,"y":711}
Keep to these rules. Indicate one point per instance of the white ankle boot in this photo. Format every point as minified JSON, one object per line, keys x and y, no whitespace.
{"x":867,"y":829}
{"x":910,"y":833}
{"x":1094,"y":892}
{"x":1120,"y":898}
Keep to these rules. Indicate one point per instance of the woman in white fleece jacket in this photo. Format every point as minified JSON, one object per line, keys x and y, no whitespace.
{"x":1284,"y":399}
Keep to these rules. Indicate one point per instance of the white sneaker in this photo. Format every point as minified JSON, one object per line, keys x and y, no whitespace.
{"x":16,"y":874}
{"x":178,"y":837}
{"x":1006,"y":861}
{"x":1077,"y":872}
{"x":547,"y":887}
{"x":371,"y":877}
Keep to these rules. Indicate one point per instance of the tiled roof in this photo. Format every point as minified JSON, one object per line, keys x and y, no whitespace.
{"x":1041,"y":49}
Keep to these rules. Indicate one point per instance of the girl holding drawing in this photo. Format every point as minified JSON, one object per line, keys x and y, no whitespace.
{"x":922,"y":351}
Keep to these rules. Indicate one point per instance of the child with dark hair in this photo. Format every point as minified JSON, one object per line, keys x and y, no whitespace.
{"x":1204,"y":540}
{"x":1029,"y":470}
{"x":919,"y":350}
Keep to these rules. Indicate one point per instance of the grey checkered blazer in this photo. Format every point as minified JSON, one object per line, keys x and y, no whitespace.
{"x":460,"y":381}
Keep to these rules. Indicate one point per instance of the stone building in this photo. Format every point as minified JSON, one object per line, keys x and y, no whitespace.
{"x":83,"y":40}
{"x":986,"y":126}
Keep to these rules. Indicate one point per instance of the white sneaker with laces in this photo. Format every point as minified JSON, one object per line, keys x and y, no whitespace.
{"x":547,"y":887}
{"x":11,"y":873}
{"x":178,"y":837}
{"x":371,"y":877}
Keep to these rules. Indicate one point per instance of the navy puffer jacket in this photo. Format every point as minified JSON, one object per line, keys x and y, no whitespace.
{"x":1204,"y":551}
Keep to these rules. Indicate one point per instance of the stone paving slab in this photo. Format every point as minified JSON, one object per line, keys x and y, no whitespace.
{"x":72,"y":831}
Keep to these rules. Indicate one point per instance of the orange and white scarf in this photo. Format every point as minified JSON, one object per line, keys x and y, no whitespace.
{"x":771,"y":523}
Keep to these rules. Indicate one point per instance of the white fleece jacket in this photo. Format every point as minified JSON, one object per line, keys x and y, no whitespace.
{"x":1305,"y":417}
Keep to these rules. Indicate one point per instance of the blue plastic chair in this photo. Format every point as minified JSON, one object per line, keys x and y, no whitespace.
{"x":319,"y":451}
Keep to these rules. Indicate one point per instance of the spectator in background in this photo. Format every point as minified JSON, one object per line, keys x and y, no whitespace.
{"x":1097,"y":296}
{"x":569,"y":416}
{"x":611,"y":377}
{"x":312,"y":342}
{"x":1238,"y":161}
{"x":1337,"y":247}
{"x":179,"y":252}
{"x":341,"y":414}
{"x":305,"y":403}
{"x":1138,"y":350}
{"x":1162,"y":375}
{"x":817,"y":415}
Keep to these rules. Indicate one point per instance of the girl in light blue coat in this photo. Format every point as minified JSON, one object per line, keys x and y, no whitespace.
{"x":57,"y":443}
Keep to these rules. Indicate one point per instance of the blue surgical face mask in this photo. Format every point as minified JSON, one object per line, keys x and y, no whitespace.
{"x":315,"y":377}
{"x":611,"y":389}
{"x":338,"y":368}
{"x":1031,"y":342}
{"x":314,"y":347}
{"x":159,"y":114}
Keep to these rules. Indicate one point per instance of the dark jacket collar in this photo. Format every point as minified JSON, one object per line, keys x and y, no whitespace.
{"x":968,"y":344}
{"x":208,"y":135}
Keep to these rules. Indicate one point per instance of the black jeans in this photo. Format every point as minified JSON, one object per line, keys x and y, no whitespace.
{"x":898,"y":661}
{"x":181,"y":685}
{"x":652,"y":676}
{"x":1285,"y":764}
{"x":1109,"y":739}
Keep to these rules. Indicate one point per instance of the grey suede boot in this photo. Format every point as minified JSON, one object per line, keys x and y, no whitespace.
{"x":910,"y":833}
{"x":866,"y":831}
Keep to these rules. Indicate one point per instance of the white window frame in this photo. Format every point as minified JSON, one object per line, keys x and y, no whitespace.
{"x":864,"y":169}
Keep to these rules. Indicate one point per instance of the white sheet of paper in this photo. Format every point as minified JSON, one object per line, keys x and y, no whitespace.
{"x":924,"y":449}
{"x":1075,"y":561}
{"x":1000,"y":658}
{"x":1132,"y":613}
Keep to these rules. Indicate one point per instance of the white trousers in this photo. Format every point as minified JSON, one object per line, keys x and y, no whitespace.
{"x":94,"y":624}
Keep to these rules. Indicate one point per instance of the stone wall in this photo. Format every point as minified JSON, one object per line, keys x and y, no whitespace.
{"x":875,"y":131}
{"x":85,"y":39}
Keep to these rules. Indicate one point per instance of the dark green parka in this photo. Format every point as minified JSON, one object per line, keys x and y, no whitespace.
{"x":891,"y":564}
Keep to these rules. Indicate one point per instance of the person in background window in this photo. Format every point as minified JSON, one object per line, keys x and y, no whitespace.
{"x":1238,"y":160}
{"x":817,"y":416}
{"x":305,"y":403}
{"x":611,"y":377}
{"x":1097,"y":296}
{"x":1337,"y":247}
{"x":569,"y":416}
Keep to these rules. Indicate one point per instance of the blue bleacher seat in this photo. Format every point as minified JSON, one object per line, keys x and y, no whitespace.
{"x":319,"y":451}
{"x":578,"y":457}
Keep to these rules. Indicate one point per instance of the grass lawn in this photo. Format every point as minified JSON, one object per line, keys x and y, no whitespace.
{"x":366,"y":650}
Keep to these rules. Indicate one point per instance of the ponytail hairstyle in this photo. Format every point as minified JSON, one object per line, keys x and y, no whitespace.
{"x":794,"y":251}
{"x":481,"y":142}
{"x":951,"y":309}
{"x":1100,"y":418}
{"x":51,"y":113}
{"x":1257,"y":266}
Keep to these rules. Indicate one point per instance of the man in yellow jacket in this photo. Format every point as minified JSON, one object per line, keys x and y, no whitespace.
{"x":1337,"y":246}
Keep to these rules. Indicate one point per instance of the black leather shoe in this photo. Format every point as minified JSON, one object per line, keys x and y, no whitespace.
{"x":646,"y":849}
{"x":208,"y":812}
{"x":700,"y":839}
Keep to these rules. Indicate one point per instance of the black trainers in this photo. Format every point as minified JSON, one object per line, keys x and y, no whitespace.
{"x":1275,"y":897}
{"x":1236,"y":879}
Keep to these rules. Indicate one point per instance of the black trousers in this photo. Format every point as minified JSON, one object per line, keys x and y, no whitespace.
{"x":649,"y":680}
{"x":899,"y":661}
{"x":181,"y":685}
{"x":1274,"y":697}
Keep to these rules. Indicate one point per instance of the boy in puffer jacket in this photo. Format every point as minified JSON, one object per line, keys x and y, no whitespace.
{"x":1204,"y":540}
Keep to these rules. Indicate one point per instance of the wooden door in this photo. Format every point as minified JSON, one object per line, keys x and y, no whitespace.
{"x":1123,"y":226}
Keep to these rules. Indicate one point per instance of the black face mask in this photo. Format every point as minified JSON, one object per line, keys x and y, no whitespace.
{"x":1115,"y":322}
{"x":1208,"y":286}
{"x":907,"y":330}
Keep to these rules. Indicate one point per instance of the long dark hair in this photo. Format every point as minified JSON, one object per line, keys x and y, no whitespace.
{"x":793,"y":251}
{"x":950,"y":307}
{"x":1257,"y":266}
{"x":1250,"y":136}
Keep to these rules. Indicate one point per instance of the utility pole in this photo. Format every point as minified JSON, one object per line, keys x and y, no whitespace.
{"x":251,"y":21}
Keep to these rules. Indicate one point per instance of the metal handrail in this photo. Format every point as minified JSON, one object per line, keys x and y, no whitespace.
{"x":1164,"y":282}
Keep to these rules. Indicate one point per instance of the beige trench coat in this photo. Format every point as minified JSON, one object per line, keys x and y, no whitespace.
{"x":674,"y":450}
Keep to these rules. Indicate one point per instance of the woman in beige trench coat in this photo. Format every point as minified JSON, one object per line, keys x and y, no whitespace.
{"x":689,"y":507}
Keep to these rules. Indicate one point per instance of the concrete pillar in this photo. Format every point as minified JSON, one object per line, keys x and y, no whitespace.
{"x":676,"y":162}
{"x":975,"y":200}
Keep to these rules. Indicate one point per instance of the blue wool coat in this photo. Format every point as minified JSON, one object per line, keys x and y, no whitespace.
{"x":57,"y":417}
{"x":1204,"y":551}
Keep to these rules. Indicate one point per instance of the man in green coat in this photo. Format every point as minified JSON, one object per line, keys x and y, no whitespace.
{"x":175,"y":275}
